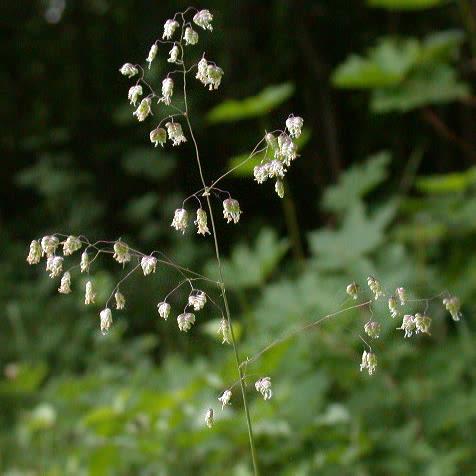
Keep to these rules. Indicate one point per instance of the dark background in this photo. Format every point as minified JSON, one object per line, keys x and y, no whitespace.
{"x":389,"y":192}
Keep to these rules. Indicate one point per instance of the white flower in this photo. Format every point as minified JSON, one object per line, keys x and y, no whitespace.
{"x":402,"y":295}
{"x":279,"y":188}
{"x":167,"y":91}
{"x":174,"y":54}
{"x":286,"y":149}
{"x":352,"y":290}
{"x":34,"y":255}
{"x":225,"y":398}
{"x":174,"y":130}
{"x":128,"y":70}
{"x":231,"y":210}
{"x":294,"y":125}
{"x":143,"y":110}
{"x":65,"y":285}
{"x":209,"y":418}
{"x":180,"y":221}
{"x":169,"y":28}
{"x":185,"y":321}
{"x":214,"y":75}
{"x":203,"y":19}
{"x":372,"y":329}
{"x":148,"y":264}
{"x":106,"y":320}
{"x":261,"y":172}
{"x":134,"y":93}
{"x":422,"y":324}
{"x":152,"y":54}
{"x":120,"y":300}
{"x":375,"y":287}
{"x":202,"y":71}
{"x":201,"y":222}
{"x":72,"y":244}
{"x":158,"y":136}
{"x":164,"y":309}
{"x":90,"y":295}
{"x":275,"y":169}
{"x":408,"y":325}
{"x":54,"y":264}
{"x":197,"y":300}
{"x":369,"y":362}
{"x":453,"y":306}
{"x":263,"y":386}
{"x":121,"y":252}
{"x":49,"y":245}
{"x":190,"y":36}
{"x":84,"y":265}
{"x":393,"y":306}
{"x":224,"y":331}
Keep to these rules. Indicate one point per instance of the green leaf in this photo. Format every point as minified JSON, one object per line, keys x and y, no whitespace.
{"x":356,"y":182}
{"x":254,"y":106}
{"x":246,"y":169}
{"x":434,"y":85}
{"x":447,"y":183}
{"x":405,"y":4}
{"x":249,"y":267}
{"x":385,"y":65}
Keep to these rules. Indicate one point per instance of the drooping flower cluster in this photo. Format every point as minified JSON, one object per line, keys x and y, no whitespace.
{"x":263,"y":386}
{"x":203,"y":19}
{"x":352,"y":290}
{"x":202,"y":222}
{"x":453,"y":306}
{"x":180,"y":221}
{"x":167,"y":91}
{"x":209,"y":418}
{"x":134,"y":93}
{"x":143,"y":110}
{"x":408,"y":325}
{"x":164,"y":309}
{"x":393,"y":306}
{"x":369,"y":362}
{"x":106,"y":320}
{"x":148,"y":264}
{"x":197,"y":300}
{"x":89,"y":295}
{"x":72,"y":244}
{"x":120,"y":300}
{"x":375,"y":287}
{"x":225,"y":398}
{"x":65,"y":285}
{"x":121,"y":252}
{"x":35,"y":253}
{"x":373,"y":329}
{"x":209,"y":74}
{"x":175,"y":132}
{"x":169,"y":29}
{"x":231,"y":210}
{"x":185,"y":321}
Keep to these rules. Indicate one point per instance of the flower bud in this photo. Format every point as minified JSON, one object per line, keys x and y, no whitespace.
{"x":134,"y":93}
{"x":209,"y":418}
{"x":201,"y":222}
{"x":148,"y":264}
{"x":169,"y":29}
{"x":294,"y":125}
{"x":152,"y":54}
{"x":197,"y":300}
{"x":49,"y":245}
{"x":352,"y":290}
{"x":72,"y":244}
{"x":203,"y":19}
{"x":84,"y":265}
{"x":225,"y":398}
{"x":90,"y":295}
{"x":54,"y":264}
{"x":263,"y":386}
{"x":231,"y":210}
{"x":121,"y":252}
{"x":190,"y":36}
{"x":164,"y":309}
{"x":106,"y":320}
{"x":185,"y":321}
{"x":120,"y":300}
{"x":143,"y":110}
{"x":372,"y":329}
{"x":369,"y":362}
{"x":158,"y":136}
{"x":279,"y":188}
{"x":174,"y":130}
{"x":167,"y":91}
{"x":65,"y":285}
{"x":180,"y":221}
{"x":34,"y":255}
{"x":128,"y":70}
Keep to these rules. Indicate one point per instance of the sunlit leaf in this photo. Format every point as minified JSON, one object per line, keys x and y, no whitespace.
{"x":405,"y":4}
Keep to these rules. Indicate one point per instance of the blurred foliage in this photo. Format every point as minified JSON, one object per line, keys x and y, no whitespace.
{"x":392,"y":195}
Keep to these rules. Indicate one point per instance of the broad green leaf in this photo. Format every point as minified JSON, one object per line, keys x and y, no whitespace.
{"x":405,"y":4}
{"x":442,"y":46}
{"x":435,"y":85}
{"x":245,"y":169}
{"x":356,"y":182}
{"x":249,"y":266}
{"x":385,"y":65}
{"x":447,"y":183}
{"x":254,"y":106}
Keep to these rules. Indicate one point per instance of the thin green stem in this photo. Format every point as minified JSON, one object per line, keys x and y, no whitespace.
{"x":222,"y":284}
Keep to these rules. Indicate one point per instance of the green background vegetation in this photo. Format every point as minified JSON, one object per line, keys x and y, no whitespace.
{"x":386,"y":185}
